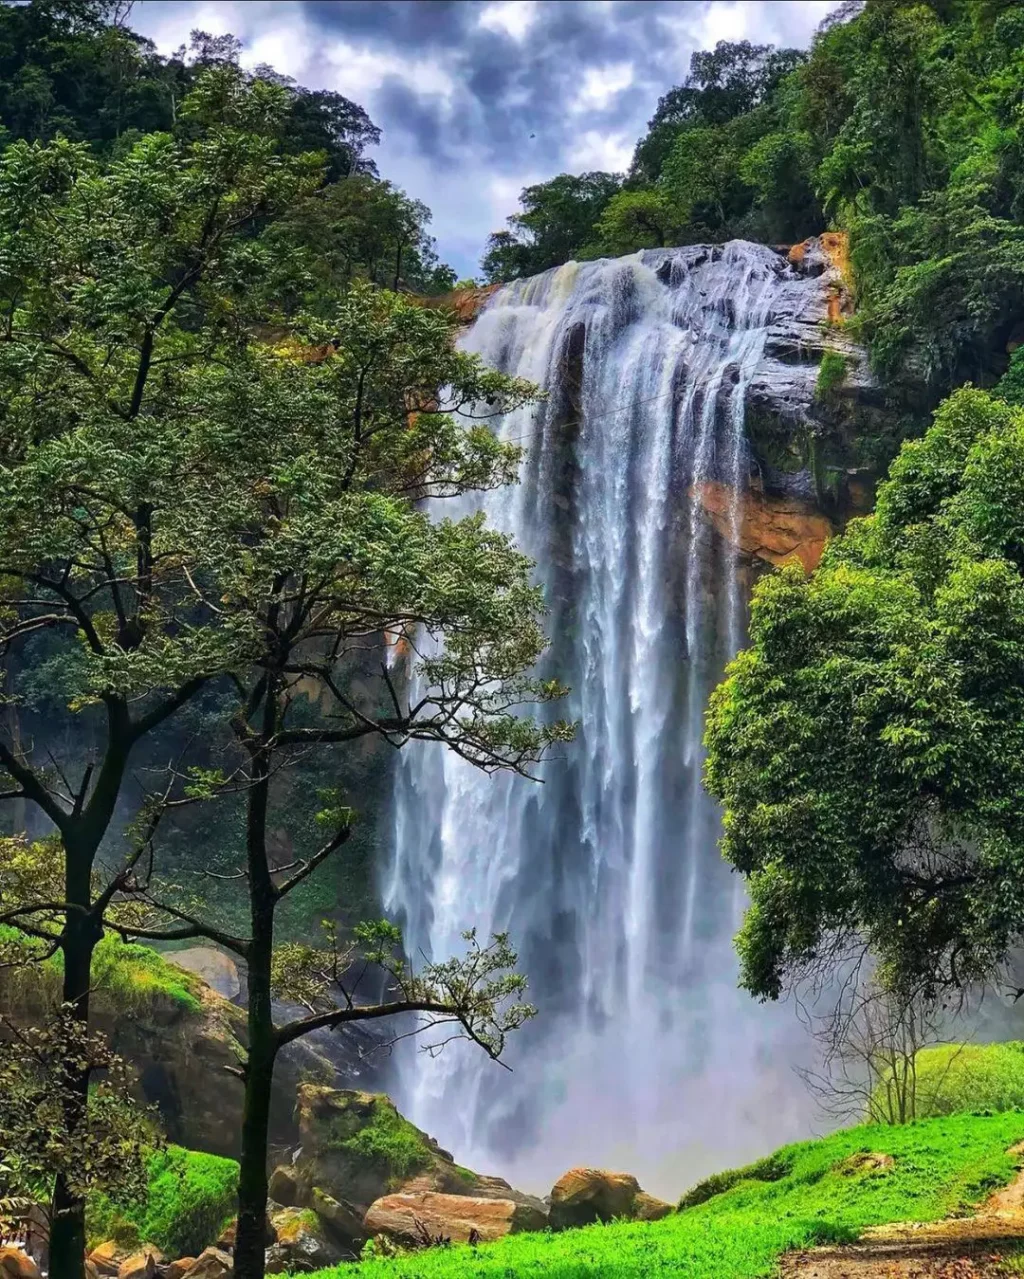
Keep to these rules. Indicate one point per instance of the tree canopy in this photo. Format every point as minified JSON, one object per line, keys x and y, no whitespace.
{"x":868,"y":746}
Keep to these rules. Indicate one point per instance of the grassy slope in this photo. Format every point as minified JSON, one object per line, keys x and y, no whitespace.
{"x":942,"y":1166}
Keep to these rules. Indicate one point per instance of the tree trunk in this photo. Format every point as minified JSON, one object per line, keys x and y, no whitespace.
{"x":67,"y":1220}
{"x":250,"y":1237}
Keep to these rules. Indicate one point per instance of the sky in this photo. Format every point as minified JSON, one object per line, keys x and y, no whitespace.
{"x":480,"y":98}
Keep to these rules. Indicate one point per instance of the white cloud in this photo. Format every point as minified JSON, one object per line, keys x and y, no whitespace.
{"x":514,"y":17}
{"x":359,"y":73}
{"x":596,"y":149}
{"x":601,"y":85}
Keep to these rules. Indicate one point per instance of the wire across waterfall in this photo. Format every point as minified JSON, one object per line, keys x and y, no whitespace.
{"x":607,"y":875}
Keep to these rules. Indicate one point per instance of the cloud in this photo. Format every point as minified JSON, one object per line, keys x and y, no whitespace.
{"x":514,"y":17}
{"x":479,"y":98}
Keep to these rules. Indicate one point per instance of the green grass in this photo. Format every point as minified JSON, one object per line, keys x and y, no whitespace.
{"x":191,"y":1199}
{"x":128,"y":977}
{"x":959,"y":1077}
{"x":942,"y":1166}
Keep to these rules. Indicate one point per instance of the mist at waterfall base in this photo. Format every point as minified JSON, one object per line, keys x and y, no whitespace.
{"x":644,"y":1055}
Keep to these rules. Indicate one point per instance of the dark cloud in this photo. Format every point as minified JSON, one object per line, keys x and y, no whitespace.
{"x":478,"y":98}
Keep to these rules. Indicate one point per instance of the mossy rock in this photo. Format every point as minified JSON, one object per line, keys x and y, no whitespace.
{"x":356,"y":1148}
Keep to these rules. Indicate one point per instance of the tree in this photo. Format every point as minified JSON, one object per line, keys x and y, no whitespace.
{"x":311,"y":547}
{"x":867,"y":746}
{"x":186,"y":508}
{"x":724,"y":83}
{"x":48,"y":1134}
{"x":360,"y":228}
{"x":118,"y":288}
{"x":870,"y":1042}
{"x":636,"y":219}
{"x":556,"y":223}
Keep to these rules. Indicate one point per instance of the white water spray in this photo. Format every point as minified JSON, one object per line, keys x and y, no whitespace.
{"x":644,"y":1055}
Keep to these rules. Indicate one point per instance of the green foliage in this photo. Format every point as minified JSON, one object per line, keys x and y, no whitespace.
{"x":127,"y":978}
{"x":190,"y":1197}
{"x":941,"y":1167}
{"x":635,"y":219}
{"x":772,"y":1168}
{"x":95,"y":1139}
{"x":556,"y":224}
{"x":954,"y":1078}
{"x":831,"y":375}
{"x":133,"y":977}
{"x":1010,"y":386}
{"x":868,"y":745}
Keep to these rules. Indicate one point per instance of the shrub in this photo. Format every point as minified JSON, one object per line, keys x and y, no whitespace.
{"x":831,"y":375}
{"x":772,"y":1168}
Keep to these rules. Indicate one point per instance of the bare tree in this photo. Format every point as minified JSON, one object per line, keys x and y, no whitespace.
{"x":870,"y":1040}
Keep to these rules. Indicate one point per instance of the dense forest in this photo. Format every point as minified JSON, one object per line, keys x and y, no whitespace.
{"x":75,"y":69}
{"x":902,"y":125}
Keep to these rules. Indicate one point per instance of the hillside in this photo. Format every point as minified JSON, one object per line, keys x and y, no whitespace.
{"x":815,"y":1192}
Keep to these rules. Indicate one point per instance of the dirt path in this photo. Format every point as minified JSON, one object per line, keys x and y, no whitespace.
{"x":989,"y":1245}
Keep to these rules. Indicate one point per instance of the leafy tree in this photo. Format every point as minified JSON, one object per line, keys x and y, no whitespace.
{"x":118,"y":287}
{"x":311,"y":543}
{"x":868,"y":745}
{"x":184,"y":507}
{"x":725,"y":82}
{"x":94,"y":1146}
{"x":361,"y":228}
{"x":556,"y":222}
{"x":636,"y":219}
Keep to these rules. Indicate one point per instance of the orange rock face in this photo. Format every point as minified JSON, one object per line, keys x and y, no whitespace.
{"x":770,"y":528}
{"x":466,"y":303}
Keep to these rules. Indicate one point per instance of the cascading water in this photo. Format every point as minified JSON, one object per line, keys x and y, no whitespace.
{"x":644,"y":1055}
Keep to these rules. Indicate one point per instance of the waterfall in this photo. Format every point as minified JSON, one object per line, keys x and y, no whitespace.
{"x":644,"y":1055}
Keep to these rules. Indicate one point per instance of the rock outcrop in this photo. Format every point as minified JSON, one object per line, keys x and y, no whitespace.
{"x":583,"y":1196}
{"x":363,"y":1169}
{"x":424,"y":1216}
{"x":772,"y":528}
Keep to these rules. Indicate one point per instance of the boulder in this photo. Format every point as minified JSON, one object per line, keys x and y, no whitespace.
{"x":650,"y":1208}
{"x":226,"y":1240}
{"x":428,"y":1217}
{"x":212,"y":1263}
{"x":344,"y":1222}
{"x":585,"y":1195}
{"x":106,"y":1257}
{"x":287,"y":1188}
{"x":178,"y":1269}
{"x":15,"y":1263}
{"x":142,"y":1264}
{"x":356,"y":1148}
{"x":302,"y":1243}
{"x":213,"y":966}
